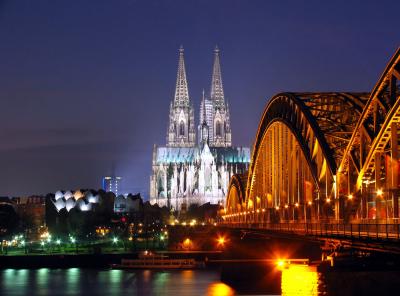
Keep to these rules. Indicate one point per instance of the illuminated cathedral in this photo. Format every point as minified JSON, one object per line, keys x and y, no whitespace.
{"x":189,"y":171}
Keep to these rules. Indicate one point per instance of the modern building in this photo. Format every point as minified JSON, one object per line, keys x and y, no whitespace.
{"x":186,"y":171}
{"x":111,"y":184}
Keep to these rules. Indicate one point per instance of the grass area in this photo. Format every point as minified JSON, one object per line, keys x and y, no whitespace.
{"x":92,"y":248}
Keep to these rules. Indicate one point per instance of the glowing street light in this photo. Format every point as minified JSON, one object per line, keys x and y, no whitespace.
{"x":379,"y":192}
{"x":221,"y":240}
{"x":328,"y":200}
{"x":58,"y":241}
{"x":350,"y":196}
{"x":296,"y":204}
{"x":281,"y":263}
{"x":115,"y":240}
{"x":309,"y":203}
{"x":72,"y":239}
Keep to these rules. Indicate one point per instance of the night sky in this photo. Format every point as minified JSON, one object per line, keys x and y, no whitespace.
{"x":85,"y":85}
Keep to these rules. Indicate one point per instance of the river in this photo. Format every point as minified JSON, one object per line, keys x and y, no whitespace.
{"x":296,"y":280}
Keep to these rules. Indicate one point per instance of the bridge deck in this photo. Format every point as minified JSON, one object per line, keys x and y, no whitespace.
{"x":388,"y":232}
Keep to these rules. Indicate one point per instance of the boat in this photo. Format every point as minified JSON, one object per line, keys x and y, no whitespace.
{"x":148,"y":260}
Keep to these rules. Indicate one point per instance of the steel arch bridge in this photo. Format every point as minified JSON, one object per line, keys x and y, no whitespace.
{"x":324,"y":156}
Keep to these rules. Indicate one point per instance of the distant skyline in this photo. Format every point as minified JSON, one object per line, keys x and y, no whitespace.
{"x":86,"y":85}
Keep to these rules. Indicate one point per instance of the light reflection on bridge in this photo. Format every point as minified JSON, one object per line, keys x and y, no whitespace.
{"x":325,"y":159}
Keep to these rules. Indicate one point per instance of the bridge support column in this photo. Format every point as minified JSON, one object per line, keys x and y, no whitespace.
{"x":378,"y":186}
{"x":339,"y":199}
{"x":364,"y":199}
{"x":394,"y":192}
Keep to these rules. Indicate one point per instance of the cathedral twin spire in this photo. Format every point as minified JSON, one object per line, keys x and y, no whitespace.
{"x":217,"y":90}
{"x":214,"y":113}
{"x":181,"y":90}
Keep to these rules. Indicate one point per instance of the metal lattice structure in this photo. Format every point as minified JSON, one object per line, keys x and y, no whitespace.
{"x":324,"y":156}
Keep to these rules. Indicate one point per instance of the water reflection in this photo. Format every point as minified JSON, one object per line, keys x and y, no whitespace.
{"x":220,"y":289}
{"x":300,"y":280}
{"x":296,"y":280}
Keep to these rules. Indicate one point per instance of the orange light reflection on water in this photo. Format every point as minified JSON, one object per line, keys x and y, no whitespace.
{"x":300,"y":280}
{"x":220,"y":289}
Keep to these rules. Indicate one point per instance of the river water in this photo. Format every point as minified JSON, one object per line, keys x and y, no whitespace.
{"x":296,"y":280}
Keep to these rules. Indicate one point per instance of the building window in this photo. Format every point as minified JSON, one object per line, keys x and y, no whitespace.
{"x":218,"y":129}
{"x":182,"y":128}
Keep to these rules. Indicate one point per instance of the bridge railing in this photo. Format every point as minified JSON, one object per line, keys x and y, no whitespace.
{"x":353,"y":231}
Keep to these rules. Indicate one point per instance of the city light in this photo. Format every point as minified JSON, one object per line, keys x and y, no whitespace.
{"x":309,"y":203}
{"x":221,"y":240}
{"x":162,"y":237}
{"x":379,"y":192}
{"x":296,"y":204}
{"x":72,"y":239}
{"x":115,"y":240}
{"x":350,"y":196}
{"x":286,"y":206}
{"x":58,"y":241}
{"x":187,"y":242}
{"x":328,"y":200}
{"x":277,"y":208}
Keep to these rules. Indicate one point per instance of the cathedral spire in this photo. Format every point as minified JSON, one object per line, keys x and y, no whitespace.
{"x":181,"y":90}
{"x":181,"y":131}
{"x":217,"y":91}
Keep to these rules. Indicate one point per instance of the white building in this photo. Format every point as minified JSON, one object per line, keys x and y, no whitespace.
{"x":186,"y":172}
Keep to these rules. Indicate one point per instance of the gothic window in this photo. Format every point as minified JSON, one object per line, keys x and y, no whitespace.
{"x":182,"y":128}
{"x":218,"y":129}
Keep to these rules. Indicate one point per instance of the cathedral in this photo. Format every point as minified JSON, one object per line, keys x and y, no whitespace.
{"x":188,"y":171}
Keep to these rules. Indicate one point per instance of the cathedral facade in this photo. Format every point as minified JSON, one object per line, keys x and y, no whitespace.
{"x":189,"y":171}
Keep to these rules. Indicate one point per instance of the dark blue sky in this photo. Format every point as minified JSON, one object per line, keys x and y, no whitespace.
{"x":87,"y":84}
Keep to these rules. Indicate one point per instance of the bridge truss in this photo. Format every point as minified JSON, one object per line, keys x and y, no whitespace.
{"x":324,"y":156}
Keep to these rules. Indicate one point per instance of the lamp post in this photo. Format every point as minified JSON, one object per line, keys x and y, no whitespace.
{"x":73,"y":241}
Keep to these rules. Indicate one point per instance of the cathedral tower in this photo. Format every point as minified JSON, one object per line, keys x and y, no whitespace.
{"x":221,"y":135}
{"x":181,"y":131}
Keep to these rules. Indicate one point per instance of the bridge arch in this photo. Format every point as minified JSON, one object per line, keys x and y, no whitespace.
{"x":315,"y":154}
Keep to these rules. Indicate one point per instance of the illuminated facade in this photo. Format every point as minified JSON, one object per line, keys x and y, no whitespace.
{"x":331,"y":156}
{"x":185,"y":172}
{"x":111,"y":184}
{"x":81,"y":200}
